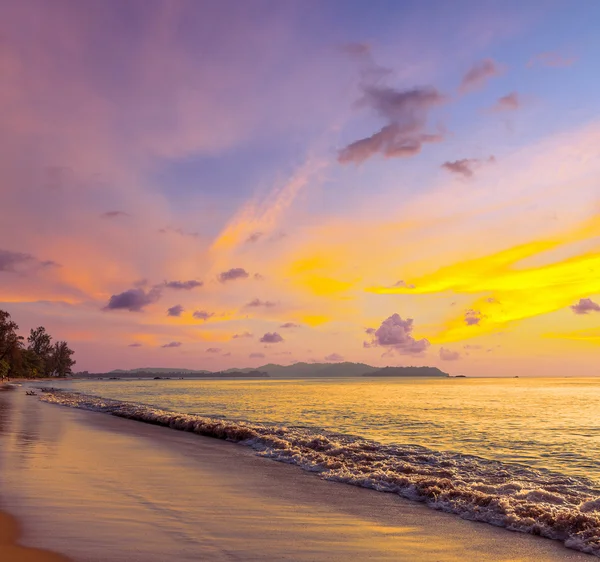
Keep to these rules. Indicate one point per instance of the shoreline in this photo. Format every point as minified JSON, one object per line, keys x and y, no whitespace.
{"x":12,"y":551}
{"x":102,"y":488}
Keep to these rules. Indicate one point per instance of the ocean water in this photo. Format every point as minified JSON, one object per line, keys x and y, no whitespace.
{"x":519,"y":453}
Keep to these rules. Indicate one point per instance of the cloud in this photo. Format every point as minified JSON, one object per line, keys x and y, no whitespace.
{"x":114,"y":214}
{"x":175,"y":310}
{"x":466,"y":166}
{"x":553,"y":60}
{"x":404,"y":284}
{"x":133,"y":300}
{"x":242,"y":335}
{"x":10,"y":261}
{"x":179,"y":231}
{"x":473,"y":317}
{"x":395,"y":333}
{"x":202,"y":315}
{"x":183,"y":285}
{"x":585,"y":306}
{"x":509,"y":102}
{"x":334,"y":357}
{"x":290,"y":325}
{"x":232,"y":274}
{"x":406,"y":113}
{"x":254,"y":237}
{"x":449,"y":355}
{"x":257,"y":356}
{"x":172,"y":344}
{"x":479,"y":74}
{"x":258,"y":277}
{"x":271,"y":337}
{"x":213,"y":350}
{"x":136,"y":344}
{"x":472,"y":346}
{"x":254,"y":303}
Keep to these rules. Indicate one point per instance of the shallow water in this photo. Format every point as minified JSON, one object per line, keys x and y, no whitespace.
{"x":542,"y":423}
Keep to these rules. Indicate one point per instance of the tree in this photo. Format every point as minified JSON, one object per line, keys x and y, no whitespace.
{"x":10,"y":342}
{"x":40,"y":343}
{"x":61,"y":361}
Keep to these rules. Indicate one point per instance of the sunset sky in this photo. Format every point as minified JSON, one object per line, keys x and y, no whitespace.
{"x":216,"y":184}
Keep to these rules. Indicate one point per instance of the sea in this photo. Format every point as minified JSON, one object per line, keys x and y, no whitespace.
{"x":520,"y":453}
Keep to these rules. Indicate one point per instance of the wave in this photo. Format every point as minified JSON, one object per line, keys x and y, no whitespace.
{"x":516,"y":497}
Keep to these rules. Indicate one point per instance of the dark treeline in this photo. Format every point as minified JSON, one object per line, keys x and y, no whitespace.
{"x":39,"y":358}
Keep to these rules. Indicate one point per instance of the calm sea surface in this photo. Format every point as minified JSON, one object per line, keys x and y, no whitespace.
{"x":542,"y":423}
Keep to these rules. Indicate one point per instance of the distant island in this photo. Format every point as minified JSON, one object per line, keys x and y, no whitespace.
{"x":407,"y":372}
{"x":271,"y":370}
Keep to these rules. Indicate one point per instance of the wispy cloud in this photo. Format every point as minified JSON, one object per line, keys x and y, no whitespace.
{"x":213,"y":350}
{"x":466,"y":166}
{"x":183,"y":285}
{"x":256,"y":303}
{"x":242,"y":335}
{"x":114,"y":214}
{"x":334,"y":358}
{"x":290,"y":325}
{"x":173,"y":344}
{"x":509,"y":102}
{"x":449,"y":355}
{"x":551,"y":59}
{"x":478,"y":75}
{"x":256,"y":356}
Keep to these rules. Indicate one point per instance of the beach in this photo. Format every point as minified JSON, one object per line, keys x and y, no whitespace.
{"x":93,"y":487}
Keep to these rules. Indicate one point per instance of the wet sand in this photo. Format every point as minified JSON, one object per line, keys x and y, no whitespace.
{"x":100,"y":488}
{"x":11,"y":551}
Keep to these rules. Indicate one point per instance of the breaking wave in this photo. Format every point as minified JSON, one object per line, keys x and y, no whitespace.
{"x":516,"y":497}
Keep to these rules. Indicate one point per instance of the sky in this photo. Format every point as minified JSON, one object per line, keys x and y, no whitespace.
{"x":203,"y":184}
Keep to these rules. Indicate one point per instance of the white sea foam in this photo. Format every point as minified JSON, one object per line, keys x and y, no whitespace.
{"x":513,"y":496}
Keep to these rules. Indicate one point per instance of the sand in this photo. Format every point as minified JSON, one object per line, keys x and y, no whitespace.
{"x":11,"y":551}
{"x":100,"y":488}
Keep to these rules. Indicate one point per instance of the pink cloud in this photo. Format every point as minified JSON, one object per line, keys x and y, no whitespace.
{"x":509,"y":102}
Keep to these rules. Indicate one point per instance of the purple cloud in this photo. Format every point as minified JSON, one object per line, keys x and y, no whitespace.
{"x":509,"y":102}
{"x":172,"y":344}
{"x":271,"y":337}
{"x":228,"y":354}
{"x":136,"y":344}
{"x":395,"y":333}
{"x":585,"y":306}
{"x":213,"y":350}
{"x":183,"y":285}
{"x":202,"y":315}
{"x":178,"y":231}
{"x":257,"y":356}
{"x":255,"y":303}
{"x":133,"y":300}
{"x":406,"y":113}
{"x":466,"y":166}
{"x":448,"y":355}
{"x":479,"y":74}
{"x":254,"y":237}
{"x":175,"y":310}
{"x":473,"y":317}
{"x":114,"y":214}
{"x":242,"y":335}
{"x":290,"y":325}
{"x":232,"y":274}
{"x":334,"y":357}
{"x":10,"y":261}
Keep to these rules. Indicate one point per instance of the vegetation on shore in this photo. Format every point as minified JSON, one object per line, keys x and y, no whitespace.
{"x":40,"y":358}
